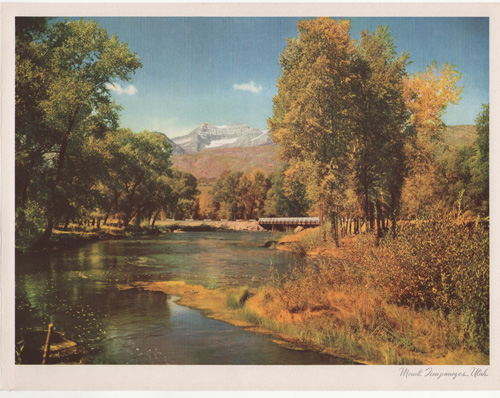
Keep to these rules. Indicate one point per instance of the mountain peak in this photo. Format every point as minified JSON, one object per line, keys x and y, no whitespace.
{"x":208,"y":136}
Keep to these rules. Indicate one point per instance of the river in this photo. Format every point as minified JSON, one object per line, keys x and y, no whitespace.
{"x":76,"y":289}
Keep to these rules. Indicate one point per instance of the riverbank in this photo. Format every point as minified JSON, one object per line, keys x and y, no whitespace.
{"x":233,"y":306}
{"x":78,"y":235}
{"x":386,"y":304}
{"x":321,"y":329}
{"x":421,"y":297}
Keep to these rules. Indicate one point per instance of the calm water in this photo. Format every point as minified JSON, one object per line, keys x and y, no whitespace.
{"x":76,"y":290}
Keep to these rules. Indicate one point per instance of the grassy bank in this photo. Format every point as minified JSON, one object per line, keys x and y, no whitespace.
{"x":419,"y":298}
{"x":77,"y":235}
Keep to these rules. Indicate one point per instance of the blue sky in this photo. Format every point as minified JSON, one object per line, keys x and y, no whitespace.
{"x":224,"y":70}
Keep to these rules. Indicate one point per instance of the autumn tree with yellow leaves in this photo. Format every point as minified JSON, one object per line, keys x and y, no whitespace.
{"x":427,"y":95}
{"x":349,"y":118}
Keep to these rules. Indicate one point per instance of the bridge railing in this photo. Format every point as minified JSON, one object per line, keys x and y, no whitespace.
{"x":289,"y":221}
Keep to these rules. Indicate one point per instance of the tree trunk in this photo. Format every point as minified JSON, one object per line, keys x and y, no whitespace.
{"x":336,"y":232}
{"x":155,"y":216}
{"x":372,"y":217}
{"x":393,"y":226}
{"x":379,"y":222}
{"x":43,"y":240}
{"x":138,"y":218}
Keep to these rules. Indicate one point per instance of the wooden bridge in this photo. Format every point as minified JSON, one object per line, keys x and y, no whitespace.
{"x":290,"y":222}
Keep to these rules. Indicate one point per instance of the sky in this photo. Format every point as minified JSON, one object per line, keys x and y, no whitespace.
{"x":224,"y":70}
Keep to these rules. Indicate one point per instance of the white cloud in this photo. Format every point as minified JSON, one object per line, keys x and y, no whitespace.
{"x":251,"y":86}
{"x":130,"y":90}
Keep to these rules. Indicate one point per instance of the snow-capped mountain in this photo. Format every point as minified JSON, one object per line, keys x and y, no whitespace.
{"x":208,"y":136}
{"x":176,"y":149}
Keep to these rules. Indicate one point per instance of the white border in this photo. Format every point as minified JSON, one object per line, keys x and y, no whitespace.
{"x":220,"y":377}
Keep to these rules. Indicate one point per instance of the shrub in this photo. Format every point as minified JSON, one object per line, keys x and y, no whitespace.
{"x":441,"y":266}
{"x":237,"y":299}
{"x":30,"y":223}
{"x":309,"y":240}
{"x":427,"y":290}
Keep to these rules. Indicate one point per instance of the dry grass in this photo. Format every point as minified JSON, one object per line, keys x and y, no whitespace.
{"x":347,"y":300}
{"x":369,"y":294}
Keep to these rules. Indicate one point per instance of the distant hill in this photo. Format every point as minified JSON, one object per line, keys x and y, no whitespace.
{"x":209,"y":164}
{"x":456,"y":137}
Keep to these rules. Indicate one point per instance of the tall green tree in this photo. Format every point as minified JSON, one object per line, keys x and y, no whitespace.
{"x":286,"y":197}
{"x":483,"y":157}
{"x":462,"y":182}
{"x":310,"y":114}
{"x":224,"y":195}
{"x":380,"y":115}
{"x":68,"y":66}
{"x":183,"y":202}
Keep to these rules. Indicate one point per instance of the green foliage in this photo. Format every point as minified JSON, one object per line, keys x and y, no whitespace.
{"x":355,"y":128}
{"x":182,"y":202}
{"x":379,"y":158}
{"x":309,"y":114}
{"x":463,"y":179}
{"x":63,"y":73}
{"x":240,"y":195}
{"x":482,"y":160}
{"x":442,"y":266}
{"x":224,"y":195}
{"x":30,"y":222}
{"x":237,"y":299}
{"x":136,"y":178}
{"x":286,"y":197}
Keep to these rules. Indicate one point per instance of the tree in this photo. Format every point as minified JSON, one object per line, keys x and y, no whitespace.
{"x":136,"y":167}
{"x":352,"y":123}
{"x":483,"y":157}
{"x":379,"y":114}
{"x":427,"y":95}
{"x":183,"y":203}
{"x":224,"y":195}
{"x":68,"y":66}
{"x":251,"y":193}
{"x":286,"y":197}
{"x":462,"y":183}
{"x":310,"y":114}
{"x":260,"y":186}
{"x":339,"y":115}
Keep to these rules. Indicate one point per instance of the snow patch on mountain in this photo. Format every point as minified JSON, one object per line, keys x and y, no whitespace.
{"x":218,"y":143}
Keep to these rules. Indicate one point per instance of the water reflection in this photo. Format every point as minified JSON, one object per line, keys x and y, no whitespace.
{"x":76,"y":289}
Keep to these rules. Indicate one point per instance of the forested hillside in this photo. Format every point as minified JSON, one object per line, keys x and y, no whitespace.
{"x":211,"y":163}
